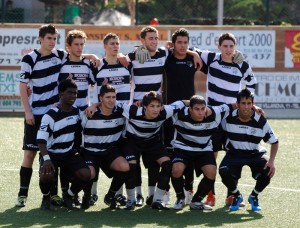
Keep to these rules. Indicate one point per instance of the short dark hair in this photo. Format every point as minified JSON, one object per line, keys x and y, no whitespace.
{"x":45,"y":29}
{"x":65,"y":84}
{"x":146,"y":29}
{"x":107,"y":88}
{"x":197,"y":99}
{"x":226,"y":36}
{"x":109,"y":36}
{"x":180,"y":32}
{"x":152,"y":96}
{"x":245,"y":93}
{"x":73,"y":34}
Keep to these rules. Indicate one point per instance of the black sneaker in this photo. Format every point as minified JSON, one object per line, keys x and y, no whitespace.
{"x":159,"y":205}
{"x":121,"y":199}
{"x":46,"y":201}
{"x":139,"y":200}
{"x":85,"y":204}
{"x":56,"y":200}
{"x":149,"y":200}
{"x":69,"y":202}
{"x":77,"y":200}
{"x":110,"y":201}
{"x":94,"y":199}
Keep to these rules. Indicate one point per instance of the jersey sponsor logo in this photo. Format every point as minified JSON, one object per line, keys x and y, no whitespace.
{"x":54,"y":60}
{"x":70,"y":118}
{"x":115,"y":69}
{"x":227,"y":67}
{"x":107,"y":121}
{"x":130,"y":157}
{"x":75,"y":66}
{"x":245,"y":127}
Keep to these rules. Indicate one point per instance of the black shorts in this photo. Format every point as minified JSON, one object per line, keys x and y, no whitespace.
{"x":150,"y":151}
{"x":69,"y":164}
{"x":102,"y":160}
{"x":235,"y":163}
{"x":194,"y":160}
{"x":30,"y":133}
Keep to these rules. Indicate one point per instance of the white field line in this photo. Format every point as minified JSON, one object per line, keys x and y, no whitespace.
{"x":218,"y":182}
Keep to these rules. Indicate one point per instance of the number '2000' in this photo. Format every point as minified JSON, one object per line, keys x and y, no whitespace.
{"x":260,"y":40}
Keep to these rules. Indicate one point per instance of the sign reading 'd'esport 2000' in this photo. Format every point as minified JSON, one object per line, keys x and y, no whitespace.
{"x":17,"y":42}
{"x":258,"y":46}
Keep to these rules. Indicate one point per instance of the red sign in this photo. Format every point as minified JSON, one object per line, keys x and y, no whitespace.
{"x":292,"y":44}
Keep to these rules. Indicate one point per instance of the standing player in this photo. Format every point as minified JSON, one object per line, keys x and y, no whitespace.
{"x":244,"y":130}
{"x":39,"y":70}
{"x":113,"y":73}
{"x":58,"y":143}
{"x":224,"y":77}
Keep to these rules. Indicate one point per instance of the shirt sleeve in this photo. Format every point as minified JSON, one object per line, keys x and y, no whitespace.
{"x":45,"y":130}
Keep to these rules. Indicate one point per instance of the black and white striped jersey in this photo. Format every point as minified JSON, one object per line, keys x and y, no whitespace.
{"x":81,"y":73}
{"x":224,"y":79}
{"x":147,"y":76}
{"x":116,"y":75}
{"x":40,"y":73}
{"x":58,"y":130}
{"x":195,"y":136}
{"x":245,"y":137}
{"x":101,"y":132}
{"x":140,"y":128}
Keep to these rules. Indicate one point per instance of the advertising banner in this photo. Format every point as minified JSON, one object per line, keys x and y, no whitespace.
{"x":292,"y":49}
{"x":15,"y":43}
{"x":257,"y":46}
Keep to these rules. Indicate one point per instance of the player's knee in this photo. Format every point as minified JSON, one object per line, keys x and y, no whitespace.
{"x":224,"y":171}
{"x":46,"y":178}
{"x":166,"y":167}
{"x":263,"y":176}
{"x":177,"y":170}
{"x":84,"y":174}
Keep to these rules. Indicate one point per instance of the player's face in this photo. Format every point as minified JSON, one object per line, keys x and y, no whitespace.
{"x":150,"y":41}
{"x":227,"y":49}
{"x":48,"y":41}
{"x":245,"y":107}
{"x":69,"y":96}
{"x":198,"y":112}
{"x":112,"y":47}
{"x":152,"y":110}
{"x":181,"y":45}
{"x":108,"y":100}
{"x":76,"y":48}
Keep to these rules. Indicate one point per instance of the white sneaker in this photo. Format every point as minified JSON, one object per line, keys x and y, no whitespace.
{"x":199,"y":206}
{"x":178,"y":205}
{"x":166,"y":198}
{"x":188,"y":196}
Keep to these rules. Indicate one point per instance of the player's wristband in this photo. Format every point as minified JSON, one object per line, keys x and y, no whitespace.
{"x":46,"y":157}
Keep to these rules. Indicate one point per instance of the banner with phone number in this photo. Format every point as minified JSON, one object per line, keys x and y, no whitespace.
{"x":257,"y":46}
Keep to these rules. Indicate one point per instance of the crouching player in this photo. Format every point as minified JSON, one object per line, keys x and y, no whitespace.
{"x":58,"y":137}
{"x":244,"y":130}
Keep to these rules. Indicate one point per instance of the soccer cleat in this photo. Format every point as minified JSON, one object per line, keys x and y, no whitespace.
{"x":130,"y":205}
{"x":188,"y":196}
{"x":253,"y":200}
{"x":200,"y":206}
{"x":21,"y":202}
{"x":159,"y":205}
{"x":46,"y":202}
{"x":149,"y":200}
{"x":77,"y":200}
{"x":94,"y":199}
{"x":110,"y":201}
{"x":229,"y":200}
{"x":56,"y":200}
{"x":69,"y":202}
{"x":121,"y":199}
{"x":166,"y":198}
{"x":235,"y":205}
{"x":178,"y":205}
{"x":139,"y":200}
{"x":210,"y":199}
{"x":85,"y":204}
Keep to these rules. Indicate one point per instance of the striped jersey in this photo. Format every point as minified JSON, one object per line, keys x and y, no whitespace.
{"x":41,"y":75}
{"x":195,"y":136}
{"x":139,"y":128}
{"x":245,"y":137}
{"x":101,"y":132}
{"x":58,"y":130}
{"x":116,"y":75}
{"x":147,"y":76}
{"x":224,"y":79}
{"x":81,"y":73}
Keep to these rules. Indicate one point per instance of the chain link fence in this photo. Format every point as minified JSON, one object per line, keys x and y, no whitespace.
{"x":175,"y":12}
